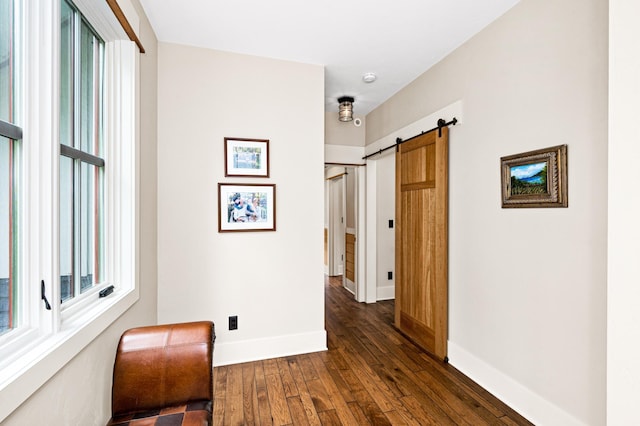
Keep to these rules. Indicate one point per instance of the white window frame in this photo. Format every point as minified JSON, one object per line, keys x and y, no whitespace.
{"x":80,"y":300}
{"x":48,"y":339}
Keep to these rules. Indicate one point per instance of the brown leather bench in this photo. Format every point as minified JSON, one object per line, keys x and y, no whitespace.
{"x":163,"y":375}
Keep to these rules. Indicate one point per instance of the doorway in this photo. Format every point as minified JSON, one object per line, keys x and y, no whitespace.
{"x":341,"y":226}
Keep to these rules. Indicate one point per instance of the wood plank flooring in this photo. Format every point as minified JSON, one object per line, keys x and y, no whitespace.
{"x":371,"y":375}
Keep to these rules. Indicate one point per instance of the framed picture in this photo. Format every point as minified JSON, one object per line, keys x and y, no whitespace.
{"x":250,"y":207}
{"x":535,"y":178}
{"x":246,"y":157}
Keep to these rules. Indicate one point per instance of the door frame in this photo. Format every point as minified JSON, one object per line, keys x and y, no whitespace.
{"x":358,"y":173}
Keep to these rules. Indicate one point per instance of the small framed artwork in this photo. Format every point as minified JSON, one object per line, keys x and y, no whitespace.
{"x":246,"y":157}
{"x":535,"y":178}
{"x":250,"y":207}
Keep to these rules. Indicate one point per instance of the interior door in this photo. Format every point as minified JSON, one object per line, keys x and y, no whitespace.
{"x":337,"y":225}
{"x":351,"y":228}
{"x":422,"y":240}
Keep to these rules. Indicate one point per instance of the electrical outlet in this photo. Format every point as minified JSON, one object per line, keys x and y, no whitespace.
{"x":233,"y":322}
{"x":389,"y":275}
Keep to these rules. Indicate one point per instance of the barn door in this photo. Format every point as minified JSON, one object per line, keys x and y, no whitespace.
{"x":422,"y":240}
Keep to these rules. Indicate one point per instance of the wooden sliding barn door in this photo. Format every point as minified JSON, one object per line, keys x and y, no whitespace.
{"x":422,"y":240}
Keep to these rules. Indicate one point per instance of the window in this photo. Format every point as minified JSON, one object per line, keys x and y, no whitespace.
{"x":68,"y":147}
{"x":81,"y":162}
{"x":10,"y":134}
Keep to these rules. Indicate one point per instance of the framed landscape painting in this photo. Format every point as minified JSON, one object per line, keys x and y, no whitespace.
{"x":249,"y":207}
{"x":246,"y":157}
{"x":535,"y":178}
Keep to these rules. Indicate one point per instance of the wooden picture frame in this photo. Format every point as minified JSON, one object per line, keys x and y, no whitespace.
{"x":246,"y":157}
{"x":535,"y":178}
{"x":246,"y":207}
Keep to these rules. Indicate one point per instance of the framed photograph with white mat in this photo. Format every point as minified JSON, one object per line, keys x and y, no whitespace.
{"x":246,"y":207}
{"x":246,"y":157}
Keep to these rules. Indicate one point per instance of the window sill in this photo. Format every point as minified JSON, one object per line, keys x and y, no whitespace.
{"x":26,"y":374}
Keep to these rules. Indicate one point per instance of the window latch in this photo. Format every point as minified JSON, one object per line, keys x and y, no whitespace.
{"x":44,"y":297}
{"x":106,"y":291}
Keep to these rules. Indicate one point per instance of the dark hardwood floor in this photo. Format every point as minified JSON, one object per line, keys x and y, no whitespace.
{"x":371,"y":374}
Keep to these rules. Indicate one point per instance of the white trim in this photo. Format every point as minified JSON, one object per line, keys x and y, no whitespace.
{"x":371,"y":251}
{"x":122,"y":179}
{"x":361,"y":238}
{"x":272,"y":347}
{"x":350,"y":286}
{"x":623,"y":268}
{"x":526,"y":402}
{"x":102,"y":18}
{"x":387,"y":292}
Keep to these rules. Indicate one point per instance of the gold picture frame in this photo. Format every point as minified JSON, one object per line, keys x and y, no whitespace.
{"x":535,"y":178}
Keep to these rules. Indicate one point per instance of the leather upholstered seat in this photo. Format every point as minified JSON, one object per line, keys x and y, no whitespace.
{"x":163,"y":375}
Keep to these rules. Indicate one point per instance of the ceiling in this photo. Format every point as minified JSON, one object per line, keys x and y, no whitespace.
{"x":397,"y":41}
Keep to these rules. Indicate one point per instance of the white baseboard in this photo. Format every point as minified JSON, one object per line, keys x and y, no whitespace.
{"x":350,"y":286}
{"x":272,"y":347}
{"x":526,"y":402}
{"x":387,"y":292}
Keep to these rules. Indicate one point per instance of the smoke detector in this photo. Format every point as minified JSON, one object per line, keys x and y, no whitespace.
{"x":369,"y":77}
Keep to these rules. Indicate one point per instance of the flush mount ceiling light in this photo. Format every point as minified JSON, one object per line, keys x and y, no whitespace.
{"x":369,"y":77}
{"x":345,"y":111}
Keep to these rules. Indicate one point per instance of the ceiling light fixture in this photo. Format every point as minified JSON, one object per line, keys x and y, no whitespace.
{"x":369,"y":77}
{"x":345,"y":111}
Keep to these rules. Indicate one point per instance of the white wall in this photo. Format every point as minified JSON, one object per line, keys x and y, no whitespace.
{"x":343,"y":154}
{"x":385,"y":211}
{"x":623,"y":333}
{"x":80,"y":393}
{"x":527,"y":286}
{"x":273,"y":281}
{"x":342,"y":133}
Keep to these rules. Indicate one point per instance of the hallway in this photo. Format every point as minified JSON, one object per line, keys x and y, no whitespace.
{"x":371,"y":374}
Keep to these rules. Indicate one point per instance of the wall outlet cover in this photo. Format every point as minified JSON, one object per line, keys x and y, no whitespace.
{"x":233,"y":322}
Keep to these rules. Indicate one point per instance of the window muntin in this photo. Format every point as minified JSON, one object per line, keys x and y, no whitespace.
{"x":81,"y":167}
